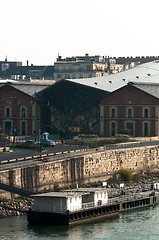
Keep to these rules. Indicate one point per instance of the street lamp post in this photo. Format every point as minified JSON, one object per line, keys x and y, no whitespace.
{"x":14,"y":131}
{"x":40,"y":143}
{"x":13,"y":101}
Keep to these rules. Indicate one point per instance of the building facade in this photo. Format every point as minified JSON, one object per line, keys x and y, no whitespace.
{"x":19,"y":112}
{"x":80,"y":67}
{"x":95,"y":66}
{"x":132,"y":109}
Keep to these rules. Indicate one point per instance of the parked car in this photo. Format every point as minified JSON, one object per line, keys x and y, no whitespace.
{"x":47,"y":142}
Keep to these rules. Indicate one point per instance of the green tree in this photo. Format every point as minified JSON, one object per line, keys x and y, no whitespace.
{"x":125,"y":175}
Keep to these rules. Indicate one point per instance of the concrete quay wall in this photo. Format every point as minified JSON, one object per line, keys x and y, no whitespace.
{"x":94,"y":166}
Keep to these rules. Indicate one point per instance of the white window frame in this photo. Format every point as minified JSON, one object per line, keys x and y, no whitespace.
{"x":26,"y":130}
{"x":125,"y":126}
{"x":143,"y":127}
{"x":110,"y":127}
{"x":111,"y":109}
{"x":127,"y":112}
{"x":146,"y":108}
{"x":21,"y":113}
{"x":10,"y":109}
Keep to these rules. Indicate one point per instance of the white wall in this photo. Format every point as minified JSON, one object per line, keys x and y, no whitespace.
{"x":74,"y":203}
{"x":101,"y":196}
{"x":58,"y":205}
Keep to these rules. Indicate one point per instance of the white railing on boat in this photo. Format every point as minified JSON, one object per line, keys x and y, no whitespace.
{"x":88,"y":205}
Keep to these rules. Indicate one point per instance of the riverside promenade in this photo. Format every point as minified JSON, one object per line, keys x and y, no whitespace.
{"x":20,"y":161}
{"x":20,"y":152}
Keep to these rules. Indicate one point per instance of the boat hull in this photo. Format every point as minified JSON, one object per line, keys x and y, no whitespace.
{"x":85,"y":215}
{"x":46,"y":218}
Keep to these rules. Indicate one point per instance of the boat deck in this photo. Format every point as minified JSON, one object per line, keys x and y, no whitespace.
{"x":90,"y":212}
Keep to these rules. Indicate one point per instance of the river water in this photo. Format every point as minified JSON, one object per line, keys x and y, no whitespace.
{"x":133,"y":225}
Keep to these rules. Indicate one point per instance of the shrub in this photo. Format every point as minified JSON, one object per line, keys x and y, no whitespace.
{"x":87,"y":135}
{"x":27,"y":146}
{"x":125,"y":175}
{"x":125,"y":131}
{"x":121,"y":137}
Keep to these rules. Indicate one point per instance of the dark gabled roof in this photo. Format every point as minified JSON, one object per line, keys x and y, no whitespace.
{"x":71,"y":98}
{"x":27,"y":87}
{"x":25,"y":70}
{"x":151,"y":89}
{"x":48,"y":70}
{"x":10,"y":89}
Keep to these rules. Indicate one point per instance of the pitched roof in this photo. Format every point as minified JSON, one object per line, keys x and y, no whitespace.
{"x":147,"y":72}
{"x":150,"y":88}
{"x":24,"y":70}
{"x":27,"y":87}
{"x":78,"y":95}
{"x":43,"y":71}
{"x":70,"y":97}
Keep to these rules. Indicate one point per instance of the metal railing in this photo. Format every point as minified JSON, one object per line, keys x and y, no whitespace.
{"x":88,"y":205}
{"x":76,"y":153}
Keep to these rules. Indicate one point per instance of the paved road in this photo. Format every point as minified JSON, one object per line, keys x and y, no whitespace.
{"x":19,"y":153}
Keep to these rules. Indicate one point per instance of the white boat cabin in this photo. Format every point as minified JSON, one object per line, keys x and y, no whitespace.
{"x":72,"y":200}
{"x":94,"y":196}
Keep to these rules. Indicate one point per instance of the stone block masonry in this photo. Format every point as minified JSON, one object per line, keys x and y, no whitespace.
{"x":93,"y":167}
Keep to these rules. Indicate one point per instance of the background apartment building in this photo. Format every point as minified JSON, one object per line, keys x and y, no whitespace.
{"x":94,"y":66}
{"x":80,"y":67}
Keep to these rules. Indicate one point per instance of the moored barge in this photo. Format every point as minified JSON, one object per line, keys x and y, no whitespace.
{"x":81,"y":205}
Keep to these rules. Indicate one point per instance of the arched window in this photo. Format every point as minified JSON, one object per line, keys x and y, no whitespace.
{"x":8,"y":112}
{"x":113,"y":112}
{"x":23,"y":128}
{"x":130,"y":127}
{"x":23,"y":111}
{"x":7,"y":126}
{"x":113,"y":128}
{"x":129,"y":112}
{"x":146,"y":112}
{"x":146,"y":129}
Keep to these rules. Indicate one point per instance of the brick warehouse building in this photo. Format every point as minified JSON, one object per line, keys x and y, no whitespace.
{"x":73,"y":105}
{"x":133,"y":108}
{"x":19,"y":108}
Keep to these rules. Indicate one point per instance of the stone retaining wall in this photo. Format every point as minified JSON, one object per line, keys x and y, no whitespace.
{"x":21,"y":204}
{"x":93,"y":167}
